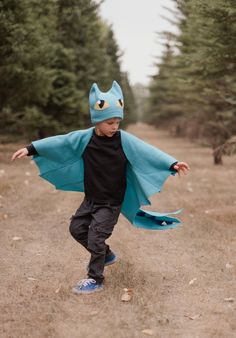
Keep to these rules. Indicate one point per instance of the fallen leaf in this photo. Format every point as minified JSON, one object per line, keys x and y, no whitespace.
{"x":127,"y":295}
{"x":192,"y":281}
{"x":147,"y":332}
{"x":16,"y":238}
{"x":58,"y":289}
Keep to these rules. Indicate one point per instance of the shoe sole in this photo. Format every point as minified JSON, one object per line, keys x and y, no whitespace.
{"x":112,"y":262}
{"x":75,"y":291}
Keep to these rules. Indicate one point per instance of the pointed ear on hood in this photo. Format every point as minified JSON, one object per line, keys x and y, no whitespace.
{"x":116,"y":89}
{"x":93,"y":94}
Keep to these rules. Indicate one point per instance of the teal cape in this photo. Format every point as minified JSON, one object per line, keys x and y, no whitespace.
{"x":60,"y":162}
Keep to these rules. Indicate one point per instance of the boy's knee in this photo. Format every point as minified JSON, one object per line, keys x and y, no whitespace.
{"x":74,"y":229}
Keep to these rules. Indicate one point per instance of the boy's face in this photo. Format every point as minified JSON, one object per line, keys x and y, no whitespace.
{"x":108,"y":127}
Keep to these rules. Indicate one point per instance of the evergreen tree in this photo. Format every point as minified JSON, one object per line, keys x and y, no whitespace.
{"x":26,"y":53}
{"x":50,"y":54}
{"x":200,"y":87}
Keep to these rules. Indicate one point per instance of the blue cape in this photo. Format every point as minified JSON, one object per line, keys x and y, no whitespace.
{"x":60,"y":162}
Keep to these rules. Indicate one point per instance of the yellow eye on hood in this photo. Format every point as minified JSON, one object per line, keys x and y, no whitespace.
{"x":101,"y":105}
{"x":120,"y":103}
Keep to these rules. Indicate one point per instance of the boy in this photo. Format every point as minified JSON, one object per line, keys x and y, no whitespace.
{"x":116,"y":171}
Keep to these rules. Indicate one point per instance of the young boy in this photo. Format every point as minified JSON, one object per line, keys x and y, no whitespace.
{"x":117,"y":172}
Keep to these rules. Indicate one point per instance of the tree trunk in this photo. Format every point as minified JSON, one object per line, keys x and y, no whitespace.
{"x":217,"y":154}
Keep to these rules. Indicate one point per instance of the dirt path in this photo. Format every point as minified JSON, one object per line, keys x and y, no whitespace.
{"x":182,"y":279}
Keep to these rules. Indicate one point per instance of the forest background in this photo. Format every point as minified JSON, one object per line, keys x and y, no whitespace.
{"x":52,"y":51}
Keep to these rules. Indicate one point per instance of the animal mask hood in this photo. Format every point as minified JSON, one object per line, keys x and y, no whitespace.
{"x":106,"y":105}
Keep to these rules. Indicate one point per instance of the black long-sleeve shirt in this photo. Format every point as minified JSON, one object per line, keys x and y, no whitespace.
{"x":105,"y":169}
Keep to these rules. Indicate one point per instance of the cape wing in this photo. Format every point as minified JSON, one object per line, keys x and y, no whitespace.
{"x":60,"y":159}
{"x":147,"y":170}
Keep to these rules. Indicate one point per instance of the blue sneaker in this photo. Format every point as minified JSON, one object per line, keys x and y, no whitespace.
{"x":87,"y":286}
{"x":108,"y":260}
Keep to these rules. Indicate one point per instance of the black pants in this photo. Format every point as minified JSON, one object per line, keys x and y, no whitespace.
{"x":91,"y":225}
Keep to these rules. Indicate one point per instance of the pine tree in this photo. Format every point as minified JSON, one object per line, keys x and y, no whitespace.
{"x":50,"y":54}
{"x":26,"y":54}
{"x":203,"y":73}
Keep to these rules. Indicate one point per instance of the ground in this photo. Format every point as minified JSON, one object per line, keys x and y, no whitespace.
{"x":183,"y":280}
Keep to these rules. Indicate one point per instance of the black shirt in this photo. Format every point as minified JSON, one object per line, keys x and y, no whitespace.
{"x":105,"y":169}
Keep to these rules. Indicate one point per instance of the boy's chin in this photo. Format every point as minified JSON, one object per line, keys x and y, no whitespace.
{"x":108,"y":134}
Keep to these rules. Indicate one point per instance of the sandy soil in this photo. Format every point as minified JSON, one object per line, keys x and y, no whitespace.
{"x":183,"y":280}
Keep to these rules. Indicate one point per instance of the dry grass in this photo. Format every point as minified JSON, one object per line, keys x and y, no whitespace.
{"x":157,"y":265}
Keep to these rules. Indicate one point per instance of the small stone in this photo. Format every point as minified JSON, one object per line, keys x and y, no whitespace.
{"x":148,"y":332}
{"x":16,"y":238}
{"x":192,"y":281}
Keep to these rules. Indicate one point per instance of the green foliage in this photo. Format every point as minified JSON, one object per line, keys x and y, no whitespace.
{"x":50,"y":54}
{"x":194,"y":91}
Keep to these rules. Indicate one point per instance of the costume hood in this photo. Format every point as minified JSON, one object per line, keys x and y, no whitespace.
{"x":106,"y":105}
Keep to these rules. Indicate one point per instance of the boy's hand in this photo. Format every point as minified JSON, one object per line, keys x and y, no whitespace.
{"x":20,"y":153}
{"x":182,"y":167}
